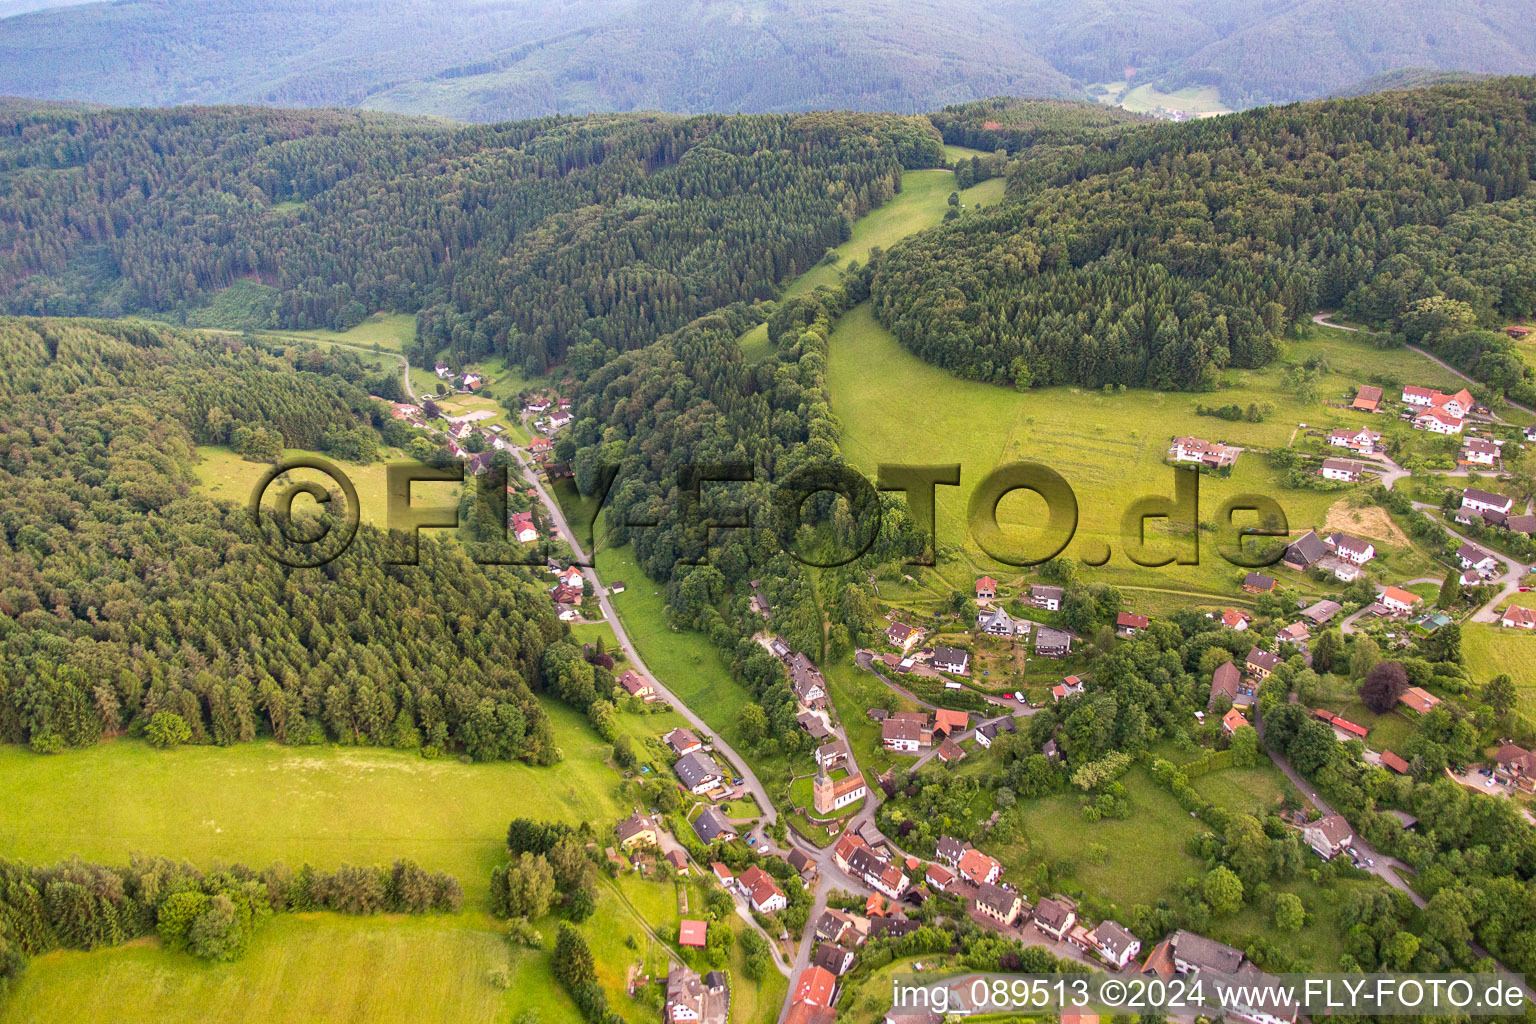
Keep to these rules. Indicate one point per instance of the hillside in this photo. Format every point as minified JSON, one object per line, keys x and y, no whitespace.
{"x":528,"y":58}
{"x":1157,"y":257}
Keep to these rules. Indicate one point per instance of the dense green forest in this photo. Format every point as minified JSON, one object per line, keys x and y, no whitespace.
{"x":1013,"y":124}
{"x":131,"y":604}
{"x":525,"y":239}
{"x":1155,"y":257}
{"x":534,"y":58}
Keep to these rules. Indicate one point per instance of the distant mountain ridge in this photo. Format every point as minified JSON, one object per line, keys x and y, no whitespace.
{"x":493,"y":60}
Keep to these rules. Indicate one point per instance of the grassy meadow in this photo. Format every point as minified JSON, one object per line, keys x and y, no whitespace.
{"x":1109,"y":447}
{"x":1492,"y":650}
{"x":256,"y":803}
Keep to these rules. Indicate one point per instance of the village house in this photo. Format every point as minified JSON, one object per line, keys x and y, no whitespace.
{"x":761,"y":891}
{"x":1045,"y":598}
{"x":1322,"y":612}
{"x":804,"y":866}
{"x":1438,"y":421}
{"x":1327,"y":836}
{"x":875,"y":871}
{"x":682,"y":741}
{"x":1232,"y":721}
{"x":479,"y":463}
{"x":636,"y":830}
{"x":978,"y":868}
{"x":1208,"y":453}
{"x":1262,"y":663}
{"x":570,"y":577}
{"x":711,"y":826}
{"x":1351,"y":549}
{"x":902,"y":636}
{"x":950,"y":850}
{"x":1114,"y":944}
{"x":1478,"y":560}
{"x":1002,"y":905}
{"x":1484,"y":501}
{"x":1343,"y":470}
{"x":1360,"y":441}
{"x":1295,"y":633}
{"x":1235,"y":619}
{"x":986,"y":588}
{"x":1052,"y":643}
{"x":1477,"y":451}
{"x":1071,"y":686}
{"x":523,"y":529}
{"x":832,"y":755}
{"x":988,"y":731}
{"x":829,"y":795}
{"x":904,"y":735}
{"x":948,"y":722}
{"x":1518,"y":617}
{"x":1515,"y":765}
{"x":1192,"y":953}
{"x":637,"y":685}
{"x":1398,"y":601}
{"x":1457,"y":405}
{"x":1258,"y":583}
{"x":1418,"y":699}
{"x":951,"y":659}
{"x":841,"y":927}
{"x":694,"y":1000}
{"x":699,"y":772}
{"x":950,"y":752}
{"x":806,"y":681}
{"x":1054,"y":916}
{"x":815,"y":987}
{"x":814,"y":725}
{"x":939,"y":877}
{"x":997,"y":622}
{"x":1051,"y":750}
{"x":1127,"y":624}
{"x":1228,"y":681}
{"x":1302,"y":553}
{"x":1367,"y":398}
{"x":832,"y":958}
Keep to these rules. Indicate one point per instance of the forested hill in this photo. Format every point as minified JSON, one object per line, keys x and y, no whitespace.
{"x":1157,"y":256}
{"x":531,"y":58}
{"x":125,"y":595}
{"x":527,"y":238}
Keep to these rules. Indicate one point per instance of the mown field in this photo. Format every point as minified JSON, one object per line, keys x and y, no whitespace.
{"x":261,"y":802}
{"x":1494,"y":650}
{"x":301,"y":969}
{"x":1109,"y":447}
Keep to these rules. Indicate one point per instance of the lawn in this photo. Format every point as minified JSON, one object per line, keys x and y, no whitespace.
{"x":1109,"y":447}
{"x":301,"y":969}
{"x":1491,"y":650}
{"x":261,"y":802}
{"x":1145,"y":857}
{"x":1258,"y":790}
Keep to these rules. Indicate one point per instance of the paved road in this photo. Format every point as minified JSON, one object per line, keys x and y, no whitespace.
{"x":610,"y":616}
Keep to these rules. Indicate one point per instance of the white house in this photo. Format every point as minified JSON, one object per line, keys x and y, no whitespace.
{"x":1327,"y":836}
{"x":1341,"y":469}
{"x":1048,"y":598}
{"x":1351,"y":549}
{"x":1395,"y":599}
{"x":1114,"y":943}
{"x":1475,"y":558}
{"x":1516,"y":617}
{"x":1362,"y":441}
{"x":1475,"y":451}
{"x":951,"y":659}
{"x":1438,"y":421}
{"x":1483,"y":501}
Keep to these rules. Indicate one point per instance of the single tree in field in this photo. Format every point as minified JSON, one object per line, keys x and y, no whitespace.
{"x":1500,"y":695}
{"x":1383,"y":684}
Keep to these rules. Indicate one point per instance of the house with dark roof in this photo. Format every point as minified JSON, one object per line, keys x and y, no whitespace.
{"x":1192,"y":953}
{"x":1322,"y":611}
{"x":1262,"y":663}
{"x":1054,"y":917}
{"x":1328,"y":835}
{"x":682,"y":741}
{"x":1052,"y":643}
{"x":997,"y":622}
{"x":711,"y":825}
{"x":950,"y":850}
{"x":699,"y":772}
{"x":1002,"y":905}
{"x":1228,"y":681}
{"x":813,"y":723}
{"x":988,"y":731}
{"x":636,"y":830}
{"x":834,"y":959}
{"x":1258,"y":583}
{"x":1304,"y":551}
{"x":951,"y":659}
{"x":1045,"y":598}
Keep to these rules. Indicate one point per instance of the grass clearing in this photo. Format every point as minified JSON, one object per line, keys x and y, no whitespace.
{"x":256,"y":803}
{"x":1492,"y":650}
{"x":1110,"y":447}
{"x":300,"y":969}
{"x":224,"y":474}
